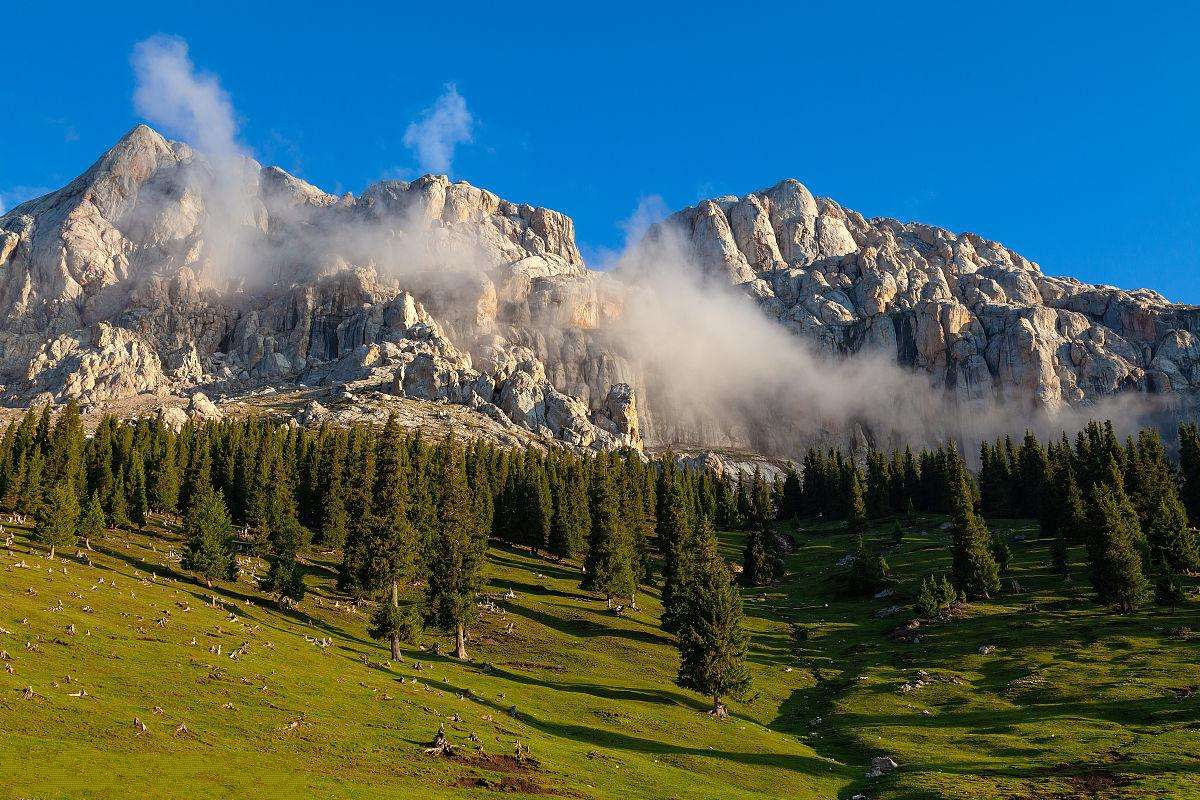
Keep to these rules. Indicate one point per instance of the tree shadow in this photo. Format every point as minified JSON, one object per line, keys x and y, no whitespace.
{"x":587,"y":628}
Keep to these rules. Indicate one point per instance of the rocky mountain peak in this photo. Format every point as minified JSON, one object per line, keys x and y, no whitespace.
{"x":159,"y":273}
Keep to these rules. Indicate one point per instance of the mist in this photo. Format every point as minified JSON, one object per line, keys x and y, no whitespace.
{"x":711,"y":368}
{"x":716,"y":369}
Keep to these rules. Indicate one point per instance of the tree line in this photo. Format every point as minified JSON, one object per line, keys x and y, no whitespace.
{"x":411,"y":518}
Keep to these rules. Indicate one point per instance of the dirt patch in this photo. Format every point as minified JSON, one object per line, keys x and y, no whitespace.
{"x":508,"y":775}
{"x":513,"y":784}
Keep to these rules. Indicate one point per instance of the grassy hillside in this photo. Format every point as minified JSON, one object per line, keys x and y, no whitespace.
{"x":1073,"y":702}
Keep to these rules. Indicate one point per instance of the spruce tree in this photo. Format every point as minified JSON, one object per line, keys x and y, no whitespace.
{"x":210,"y":547}
{"x":761,"y":561}
{"x":793,"y":494}
{"x":91,"y":521}
{"x":975,"y":570}
{"x":609,"y":564}
{"x":164,"y":491}
{"x":712,"y":640}
{"x":1189,"y":470}
{"x":856,"y":510}
{"x":57,"y":517}
{"x":1169,"y":537}
{"x":285,"y":575}
{"x":571,"y":523}
{"x":673,"y":531}
{"x":135,"y":489}
{"x":1112,"y":545}
{"x":459,"y":551}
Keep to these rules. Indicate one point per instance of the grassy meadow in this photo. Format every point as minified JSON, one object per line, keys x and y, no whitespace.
{"x":1038,"y":694}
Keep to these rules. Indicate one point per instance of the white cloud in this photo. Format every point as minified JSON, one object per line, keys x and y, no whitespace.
{"x":189,"y":104}
{"x":441,"y":128}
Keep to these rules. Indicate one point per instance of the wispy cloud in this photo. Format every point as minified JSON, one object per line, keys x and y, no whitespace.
{"x":190,"y":104}
{"x":441,"y":128}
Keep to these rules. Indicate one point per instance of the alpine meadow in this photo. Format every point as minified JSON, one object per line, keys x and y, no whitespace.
{"x":415,"y":491}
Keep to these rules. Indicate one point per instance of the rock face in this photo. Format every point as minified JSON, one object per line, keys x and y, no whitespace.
{"x":983,"y":321}
{"x":150,"y":274}
{"x":159,"y":274}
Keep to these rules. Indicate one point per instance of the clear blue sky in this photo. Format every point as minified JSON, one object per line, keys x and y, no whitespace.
{"x":1070,"y":135}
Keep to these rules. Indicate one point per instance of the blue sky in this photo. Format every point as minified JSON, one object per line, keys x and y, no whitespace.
{"x":1069,"y":136}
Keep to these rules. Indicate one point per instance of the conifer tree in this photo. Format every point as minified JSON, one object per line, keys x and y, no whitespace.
{"x":1115,"y":564}
{"x":332,"y":517}
{"x":1060,"y":554}
{"x":793,"y":494}
{"x":91,"y":521}
{"x":210,"y":547}
{"x":571,"y":523}
{"x":975,"y":570}
{"x":389,"y":541}
{"x":117,"y":505}
{"x":285,"y":575}
{"x":609,"y":565}
{"x":136,"y":492}
{"x":1189,"y":470}
{"x":164,"y":492}
{"x":761,"y":562}
{"x":459,"y":550}
{"x":762,"y":507}
{"x":1170,"y":539}
{"x":712,"y":639}
{"x":866,"y":573}
{"x":57,"y":517}
{"x":673,"y":530}
{"x":856,"y":511}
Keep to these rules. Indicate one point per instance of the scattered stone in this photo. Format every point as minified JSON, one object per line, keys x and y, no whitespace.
{"x":882,"y":765}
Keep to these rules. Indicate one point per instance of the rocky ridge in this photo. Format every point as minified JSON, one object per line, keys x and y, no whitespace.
{"x":983,"y":321}
{"x":159,"y":274}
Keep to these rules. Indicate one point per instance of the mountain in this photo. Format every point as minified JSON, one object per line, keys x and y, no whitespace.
{"x":980,"y":319}
{"x":160,"y":273}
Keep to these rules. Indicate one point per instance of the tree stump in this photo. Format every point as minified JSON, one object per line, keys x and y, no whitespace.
{"x":440,"y":746}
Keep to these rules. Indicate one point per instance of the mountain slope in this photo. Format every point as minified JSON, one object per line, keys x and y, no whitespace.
{"x":158,"y":273}
{"x":982,"y":320}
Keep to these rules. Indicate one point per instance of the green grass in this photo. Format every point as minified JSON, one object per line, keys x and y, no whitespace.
{"x":1074,"y":702}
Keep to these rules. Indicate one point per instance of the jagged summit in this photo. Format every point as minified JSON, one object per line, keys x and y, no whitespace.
{"x":157,"y":273}
{"x":983,"y":320}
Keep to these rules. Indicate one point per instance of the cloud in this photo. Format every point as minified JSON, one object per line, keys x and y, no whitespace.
{"x":172,"y":94}
{"x":442,"y":127}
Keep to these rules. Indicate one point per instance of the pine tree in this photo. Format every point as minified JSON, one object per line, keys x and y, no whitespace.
{"x":285,"y":575}
{"x":1115,"y":565}
{"x":459,"y":550}
{"x":609,"y":564}
{"x":1189,"y":470}
{"x":1169,"y":537}
{"x":975,"y":570}
{"x":57,"y":517}
{"x":210,"y":546}
{"x":712,"y":639}
{"x":793,"y":494}
{"x":135,"y":488}
{"x":856,"y":511}
{"x":761,"y":562}
{"x":91,"y":521}
{"x":673,"y":531}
